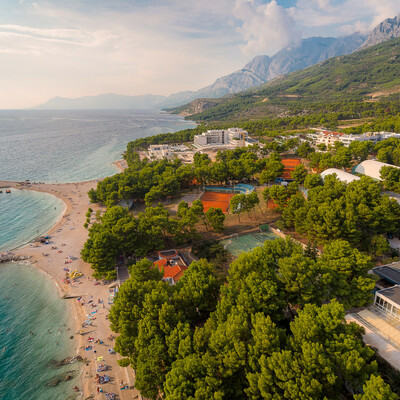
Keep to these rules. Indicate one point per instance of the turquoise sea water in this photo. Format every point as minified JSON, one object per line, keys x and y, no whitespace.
{"x":24,"y":214}
{"x":50,"y":146}
{"x":30,"y":303}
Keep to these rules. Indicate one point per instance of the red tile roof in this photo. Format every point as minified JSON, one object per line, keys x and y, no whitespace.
{"x":326,"y":133}
{"x":171,"y":271}
{"x":161,"y":263}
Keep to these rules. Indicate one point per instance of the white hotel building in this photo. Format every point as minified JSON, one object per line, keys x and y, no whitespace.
{"x":232,"y":137}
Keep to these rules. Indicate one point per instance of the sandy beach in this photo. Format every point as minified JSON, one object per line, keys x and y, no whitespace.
{"x":63,"y":251}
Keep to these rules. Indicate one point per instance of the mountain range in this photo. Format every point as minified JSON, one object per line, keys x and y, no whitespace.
{"x":348,"y":85}
{"x":258,"y":71}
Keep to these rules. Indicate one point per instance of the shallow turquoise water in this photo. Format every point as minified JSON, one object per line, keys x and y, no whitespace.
{"x":25,"y":214}
{"x":30,"y":303}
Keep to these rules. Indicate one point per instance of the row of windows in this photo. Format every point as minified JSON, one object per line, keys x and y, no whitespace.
{"x":392,"y":310}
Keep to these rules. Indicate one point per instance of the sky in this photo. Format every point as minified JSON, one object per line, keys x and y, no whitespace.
{"x":80,"y":48}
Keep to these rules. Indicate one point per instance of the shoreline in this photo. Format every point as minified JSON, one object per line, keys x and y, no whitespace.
{"x":63,"y":251}
{"x":122,"y":165}
{"x":52,"y":227}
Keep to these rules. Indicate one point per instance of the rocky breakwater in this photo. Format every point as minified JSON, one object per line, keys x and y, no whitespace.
{"x":9,"y":257}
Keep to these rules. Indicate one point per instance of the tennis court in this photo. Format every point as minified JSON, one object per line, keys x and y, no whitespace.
{"x":238,"y":244}
{"x":290,"y":164}
{"x":216,"y":200}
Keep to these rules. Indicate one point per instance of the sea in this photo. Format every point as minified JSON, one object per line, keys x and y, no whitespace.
{"x":50,"y":146}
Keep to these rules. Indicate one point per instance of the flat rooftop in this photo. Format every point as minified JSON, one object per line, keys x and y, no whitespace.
{"x":390,"y":272}
{"x":392,"y":294}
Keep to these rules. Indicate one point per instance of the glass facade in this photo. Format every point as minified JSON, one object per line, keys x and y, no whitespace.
{"x":389,"y":309}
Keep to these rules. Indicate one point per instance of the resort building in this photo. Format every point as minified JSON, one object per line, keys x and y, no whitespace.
{"x":372,"y":168}
{"x":387,"y":303}
{"x":381,"y":321}
{"x":215,"y":137}
{"x":387,"y":135}
{"x":389,"y":274}
{"x":225,"y":138}
{"x":173,"y":264}
{"x":328,"y":138}
{"x":179,"y":147}
{"x":341,"y":175}
{"x":237,"y":133}
{"x":368,"y":137}
{"x":160,"y":151}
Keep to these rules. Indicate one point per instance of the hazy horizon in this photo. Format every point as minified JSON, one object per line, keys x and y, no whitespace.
{"x":86,"y":48}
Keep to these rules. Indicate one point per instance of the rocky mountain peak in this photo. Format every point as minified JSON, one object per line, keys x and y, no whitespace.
{"x":386,"y":30}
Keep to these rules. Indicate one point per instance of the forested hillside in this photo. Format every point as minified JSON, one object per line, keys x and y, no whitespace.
{"x":362,"y":76}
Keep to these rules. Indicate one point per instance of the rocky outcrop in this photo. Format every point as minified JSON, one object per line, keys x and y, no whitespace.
{"x":195,"y":106}
{"x":64,"y":377}
{"x":262,"y":69}
{"x":12,"y":258}
{"x":386,"y":30}
{"x":309,"y":52}
{"x":66,"y":361}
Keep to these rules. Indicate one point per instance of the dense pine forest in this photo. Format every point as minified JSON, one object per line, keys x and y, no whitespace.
{"x":272,"y":325}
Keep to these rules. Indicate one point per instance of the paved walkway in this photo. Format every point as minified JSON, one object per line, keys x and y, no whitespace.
{"x":373,"y":339}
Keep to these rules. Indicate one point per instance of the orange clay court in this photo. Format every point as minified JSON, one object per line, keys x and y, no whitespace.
{"x":290,"y":164}
{"x":216,"y":200}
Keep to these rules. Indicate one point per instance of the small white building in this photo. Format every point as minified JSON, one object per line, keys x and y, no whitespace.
{"x":341,"y":175}
{"x":179,"y":147}
{"x":159,"y":151}
{"x":372,"y":168}
{"x":328,"y":138}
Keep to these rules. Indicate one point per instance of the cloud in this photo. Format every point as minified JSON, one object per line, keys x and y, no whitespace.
{"x":266,"y":28}
{"x":87,"y":47}
{"x":343,"y":16}
{"x":90,"y":48}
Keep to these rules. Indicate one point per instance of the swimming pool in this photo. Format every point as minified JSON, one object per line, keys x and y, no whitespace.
{"x":244,"y":188}
{"x":240,"y":188}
